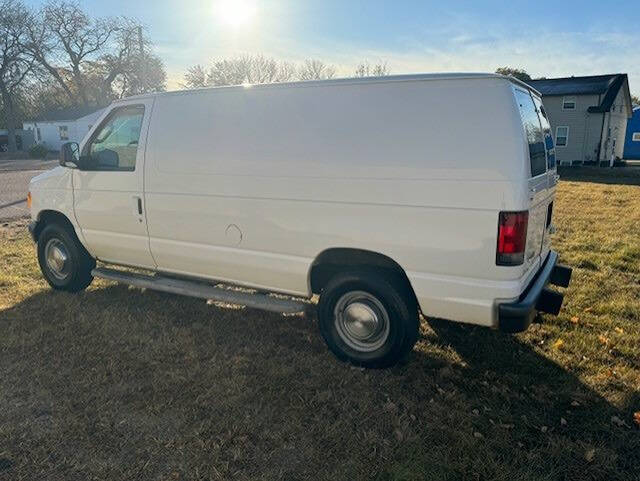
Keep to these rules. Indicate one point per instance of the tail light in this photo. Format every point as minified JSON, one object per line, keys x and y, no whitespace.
{"x":512,"y":238}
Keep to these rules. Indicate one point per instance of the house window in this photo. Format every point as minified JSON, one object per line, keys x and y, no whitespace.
{"x":635,"y":137}
{"x":562,"y":136}
{"x":568,"y":103}
{"x":64,"y":132}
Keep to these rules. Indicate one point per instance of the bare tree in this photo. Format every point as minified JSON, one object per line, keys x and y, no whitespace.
{"x":130,"y":68}
{"x":196,"y":77}
{"x":314,"y":69}
{"x":365,"y":69}
{"x":253,"y":69}
{"x":75,"y":38}
{"x":15,"y":62}
{"x":262,"y":70}
{"x":94,"y":60}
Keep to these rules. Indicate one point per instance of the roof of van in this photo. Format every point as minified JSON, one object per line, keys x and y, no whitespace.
{"x":350,"y":80}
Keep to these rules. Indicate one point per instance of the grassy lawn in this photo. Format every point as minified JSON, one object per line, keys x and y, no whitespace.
{"x":116,"y":383}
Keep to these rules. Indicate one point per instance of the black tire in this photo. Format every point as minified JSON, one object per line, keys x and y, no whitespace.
{"x":368,"y":292}
{"x":75,"y":273}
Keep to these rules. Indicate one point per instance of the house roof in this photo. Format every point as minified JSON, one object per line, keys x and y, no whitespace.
{"x":68,"y":114}
{"x":606,"y":85}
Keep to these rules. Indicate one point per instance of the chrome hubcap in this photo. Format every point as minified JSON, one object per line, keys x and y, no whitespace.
{"x":362,"y":321}
{"x":57,"y":257}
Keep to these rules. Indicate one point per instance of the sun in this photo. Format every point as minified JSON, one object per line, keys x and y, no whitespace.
{"x":235,"y":13}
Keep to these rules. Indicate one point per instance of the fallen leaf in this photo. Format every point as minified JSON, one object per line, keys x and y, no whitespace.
{"x":575,"y":319}
{"x":575,"y":404}
{"x":544,"y":429}
{"x":477,"y":435}
{"x":636,"y":417}
{"x":618,"y":422}
{"x":588,"y":309}
{"x":590,"y":454}
{"x":563,"y":421}
{"x":619,"y":330}
{"x":389,"y":406}
{"x":603,"y":340}
{"x":558,"y":344}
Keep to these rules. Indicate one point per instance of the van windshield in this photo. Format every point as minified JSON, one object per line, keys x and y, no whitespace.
{"x":533,"y":130}
{"x":546,"y":130}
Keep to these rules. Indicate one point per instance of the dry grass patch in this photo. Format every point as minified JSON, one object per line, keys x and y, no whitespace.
{"x":116,"y":383}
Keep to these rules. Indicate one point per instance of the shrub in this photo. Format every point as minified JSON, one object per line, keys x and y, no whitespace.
{"x":38,"y":151}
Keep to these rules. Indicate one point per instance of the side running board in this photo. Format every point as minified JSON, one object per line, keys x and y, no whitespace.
{"x":202,"y":290}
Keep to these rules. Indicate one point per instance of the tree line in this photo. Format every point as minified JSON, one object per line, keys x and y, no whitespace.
{"x":259,"y":69}
{"x":59,"y":56}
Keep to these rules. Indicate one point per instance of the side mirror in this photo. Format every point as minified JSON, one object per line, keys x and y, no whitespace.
{"x":70,"y":155}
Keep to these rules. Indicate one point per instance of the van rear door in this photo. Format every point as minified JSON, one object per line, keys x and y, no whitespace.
{"x":540,"y":191}
{"x":552,"y":174}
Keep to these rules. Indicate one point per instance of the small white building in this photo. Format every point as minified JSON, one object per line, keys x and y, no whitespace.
{"x":57,"y":127}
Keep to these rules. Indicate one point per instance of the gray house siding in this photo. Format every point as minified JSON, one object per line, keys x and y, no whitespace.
{"x":584,"y":127}
{"x":615,"y":127}
{"x":597,"y":124}
{"x":594,"y":137}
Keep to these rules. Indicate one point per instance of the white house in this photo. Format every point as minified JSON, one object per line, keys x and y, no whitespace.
{"x":57,"y":127}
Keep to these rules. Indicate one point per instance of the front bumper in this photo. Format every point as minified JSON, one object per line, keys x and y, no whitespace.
{"x":537,"y":297}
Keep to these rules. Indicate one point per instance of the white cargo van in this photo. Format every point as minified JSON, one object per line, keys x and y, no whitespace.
{"x":386,"y":196}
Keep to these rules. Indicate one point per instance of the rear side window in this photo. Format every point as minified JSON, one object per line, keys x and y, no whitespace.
{"x":546,"y":130}
{"x":533,"y":130}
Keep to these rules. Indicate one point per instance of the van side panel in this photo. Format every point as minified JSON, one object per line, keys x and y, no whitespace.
{"x":249,"y":185}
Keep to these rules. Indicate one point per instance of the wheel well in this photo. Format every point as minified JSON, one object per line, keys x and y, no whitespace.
{"x":52,"y":216}
{"x":332,"y":261}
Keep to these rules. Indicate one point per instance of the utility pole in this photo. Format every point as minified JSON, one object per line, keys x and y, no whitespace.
{"x":142,"y":60}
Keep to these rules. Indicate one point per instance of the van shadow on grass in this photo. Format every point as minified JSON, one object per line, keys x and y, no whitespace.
{"x":116,"y":383}
{"x":601,"y":175}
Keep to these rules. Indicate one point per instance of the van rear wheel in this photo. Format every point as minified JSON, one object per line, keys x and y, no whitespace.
{"x":64,"y":262}
{"x":368,"y":320}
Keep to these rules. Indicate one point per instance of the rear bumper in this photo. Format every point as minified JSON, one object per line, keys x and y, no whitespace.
{"x":537,"y":297}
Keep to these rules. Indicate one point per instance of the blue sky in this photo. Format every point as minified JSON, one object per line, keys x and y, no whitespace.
{"x":550,"y":38}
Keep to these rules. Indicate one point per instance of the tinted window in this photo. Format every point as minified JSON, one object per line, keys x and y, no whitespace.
{"x":533,"y":131}
{"x":115,"y":144}
{"x":546,"y":131}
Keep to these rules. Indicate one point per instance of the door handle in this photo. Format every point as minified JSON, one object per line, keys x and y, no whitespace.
{"x":137,"y":206}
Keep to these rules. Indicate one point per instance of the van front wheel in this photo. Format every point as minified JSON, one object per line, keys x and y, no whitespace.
{"x":367,"y":320}
{"x":64,"y":262}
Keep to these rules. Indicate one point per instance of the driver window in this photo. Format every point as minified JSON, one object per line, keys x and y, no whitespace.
{"x":115,"y":144}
